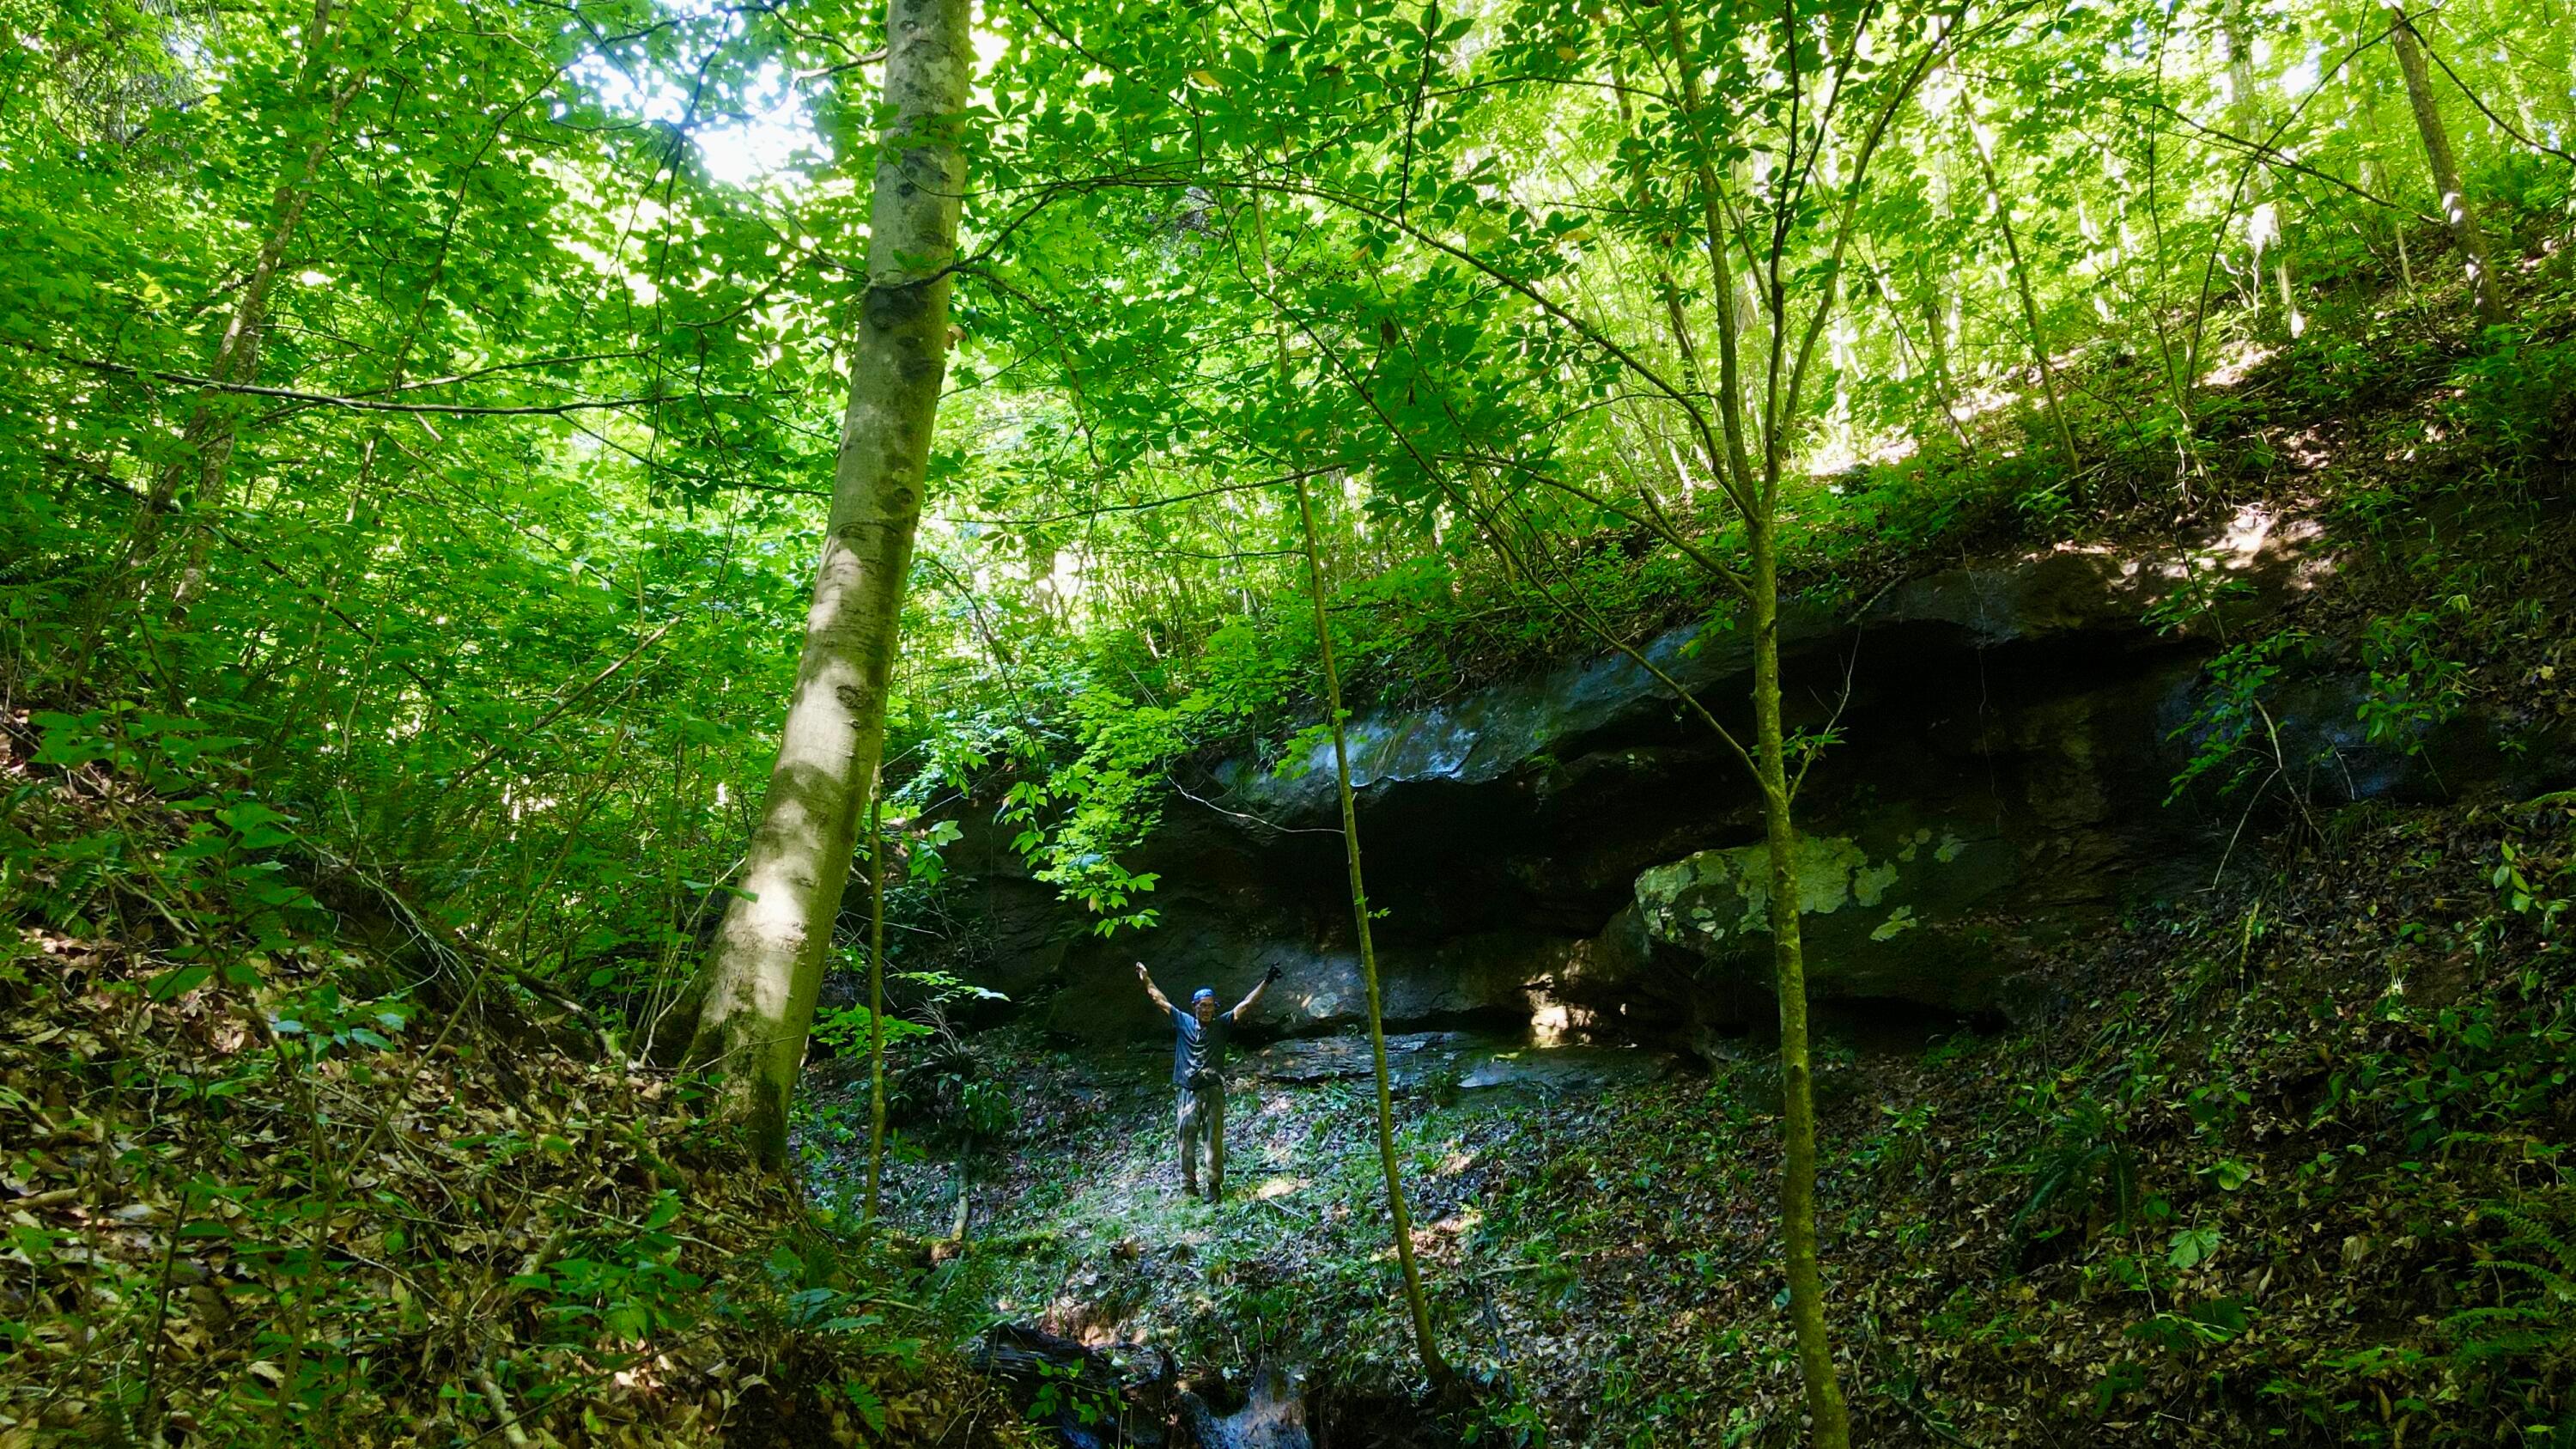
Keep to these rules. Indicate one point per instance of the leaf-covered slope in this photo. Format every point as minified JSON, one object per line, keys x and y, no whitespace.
{"x":2286,"y":1163}
{"x":258,"y":1187}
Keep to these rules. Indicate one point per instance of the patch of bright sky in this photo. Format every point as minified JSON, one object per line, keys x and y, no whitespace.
{"x":775,"y":128}
{"x":2303,"y":76}
{"x":766,"y":139}
{"x":761,"y":136}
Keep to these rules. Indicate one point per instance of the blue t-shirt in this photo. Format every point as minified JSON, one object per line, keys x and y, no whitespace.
{"x":1197,"y":1048}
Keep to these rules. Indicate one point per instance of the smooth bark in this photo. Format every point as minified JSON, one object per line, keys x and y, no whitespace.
{"x":1401,"y":1215}
{"x":1757,"y":496}
{"x":767,"y":966}
{"x":2244,"y":111}
{"x":2029,"y":303}
{"x":1414,"y":1302}
{"x":2462,"y":218}
{"x":876,"y":997}
{"x":1933,"y":356}
{"x":1789,"y":981}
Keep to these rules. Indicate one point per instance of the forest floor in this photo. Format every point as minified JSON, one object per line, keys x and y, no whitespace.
{"x":2284,"y":1165}
{"x":250,"y":1195}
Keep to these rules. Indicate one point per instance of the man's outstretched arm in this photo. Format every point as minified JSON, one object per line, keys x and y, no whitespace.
{"x":1151,"y":990}
{"x":1254,"y":995}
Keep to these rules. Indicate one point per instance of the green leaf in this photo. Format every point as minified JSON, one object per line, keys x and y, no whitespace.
{"x":178,"y":982}
{"x":2193,"y":1247}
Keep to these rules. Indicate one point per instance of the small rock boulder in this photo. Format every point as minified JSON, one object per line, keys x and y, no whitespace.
{"x":1273,"y":1415}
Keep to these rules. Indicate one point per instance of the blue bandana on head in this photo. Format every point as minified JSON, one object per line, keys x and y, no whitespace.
{"x":1204,"y":993}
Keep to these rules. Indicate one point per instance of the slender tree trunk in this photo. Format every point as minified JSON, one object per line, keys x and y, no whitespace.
{"x":2246,"y":112}
{"x":2177,"y":378}
{"x":767,"y":966}
{"x":1936,"y":340}
{"x":1417,"y":1306}
{"x":1934,"y":356}
{"x":206,"y":448}
{"x":1432,"y":1363}
{"x":206,"y":439}
{"x":2029,"y":303}
{"x":876,"y":995}
{"x":2463,"y":218}
{"x":1667,"y":289}
{"x":1758,"y":496}
{"x":1789,"y":981}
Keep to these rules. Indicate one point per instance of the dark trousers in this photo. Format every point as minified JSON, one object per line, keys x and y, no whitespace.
{"x":1201,"y":1117}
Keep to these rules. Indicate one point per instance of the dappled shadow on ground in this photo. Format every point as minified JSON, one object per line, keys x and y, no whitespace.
{"x":2189,"y":1170}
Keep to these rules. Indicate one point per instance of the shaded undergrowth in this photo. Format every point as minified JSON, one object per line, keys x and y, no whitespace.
{"x":2288,"y":1164}
{"x":261,"y":1185}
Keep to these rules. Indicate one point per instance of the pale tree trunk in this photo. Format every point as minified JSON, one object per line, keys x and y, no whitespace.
{"x":2463,"y":218}
{"x":1667,"y":289}
{"x":1933,"y":357}
{"x":876,"y":995}
{"x":2029,"y":307}
{"x":2263,"y":228}
{"x":761,"y":981}
{"x":207,"y":446}
{"x":1936,"y":341}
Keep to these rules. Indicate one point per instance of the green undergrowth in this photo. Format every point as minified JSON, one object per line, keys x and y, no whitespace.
{"x":2290,"y":1169}
{"x":2289,"y":1165}
{"x":261,"y":1183}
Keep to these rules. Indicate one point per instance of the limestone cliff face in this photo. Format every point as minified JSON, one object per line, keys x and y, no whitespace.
{"x":1570,"y":847}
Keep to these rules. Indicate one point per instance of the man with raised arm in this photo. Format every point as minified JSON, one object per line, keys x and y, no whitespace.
{"x":1198,"y":1074}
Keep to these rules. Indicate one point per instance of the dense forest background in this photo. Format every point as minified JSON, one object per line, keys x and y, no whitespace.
{"x":417,"y":427}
